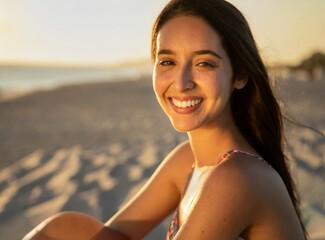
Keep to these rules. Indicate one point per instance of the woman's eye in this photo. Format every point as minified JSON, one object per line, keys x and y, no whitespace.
{"x":166,"y":63}
{"x":206,"y":65}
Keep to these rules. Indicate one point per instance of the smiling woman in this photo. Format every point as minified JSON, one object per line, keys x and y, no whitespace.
{"x":193,"y":79}
{"x":230,"y":179}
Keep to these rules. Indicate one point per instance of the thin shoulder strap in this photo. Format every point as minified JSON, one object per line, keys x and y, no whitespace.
{"x":235,"y":151}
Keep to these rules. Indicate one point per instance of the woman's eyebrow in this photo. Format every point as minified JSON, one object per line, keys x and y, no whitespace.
{"x":203,"y":52}
{"x":199,"y":52}
{"x":165,"y":51}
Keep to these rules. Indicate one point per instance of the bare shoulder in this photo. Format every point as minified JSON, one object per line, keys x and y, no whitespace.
{"x":253,"y":196}
{"x":226,"y":203}
{"x":243,"y":181}
{"x":182,"y":148}
{"x":247,"y":172}
{"x":250,"y":179}
{"x":178,"y":164}
{"x":242,"y":196}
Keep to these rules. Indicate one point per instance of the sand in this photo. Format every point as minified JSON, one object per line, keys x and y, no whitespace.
{"x":90,"y":148}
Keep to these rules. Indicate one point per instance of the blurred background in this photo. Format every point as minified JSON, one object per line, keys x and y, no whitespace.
{"x":80,"y":128}
{"x":56,"y":39}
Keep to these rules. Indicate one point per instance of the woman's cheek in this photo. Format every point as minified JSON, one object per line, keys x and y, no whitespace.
{"x":160,"y":83}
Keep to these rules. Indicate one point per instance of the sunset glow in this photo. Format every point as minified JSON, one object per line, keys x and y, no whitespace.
{"x":97,"y":32}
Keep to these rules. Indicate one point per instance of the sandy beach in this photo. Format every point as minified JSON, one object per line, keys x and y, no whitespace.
{"x":90,"y":147}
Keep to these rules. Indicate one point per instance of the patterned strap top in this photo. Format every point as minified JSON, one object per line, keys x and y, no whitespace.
{"x":193,"y":183}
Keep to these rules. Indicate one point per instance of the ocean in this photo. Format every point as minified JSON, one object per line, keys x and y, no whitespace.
{"x":18,"y":79}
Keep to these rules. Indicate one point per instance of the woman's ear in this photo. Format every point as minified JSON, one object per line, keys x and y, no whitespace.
{"x":240,"y":82}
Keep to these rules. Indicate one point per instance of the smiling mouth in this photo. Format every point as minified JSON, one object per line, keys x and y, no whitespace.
{"x":186,"y":104}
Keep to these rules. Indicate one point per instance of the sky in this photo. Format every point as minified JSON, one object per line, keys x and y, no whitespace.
{"x":113,"y":31}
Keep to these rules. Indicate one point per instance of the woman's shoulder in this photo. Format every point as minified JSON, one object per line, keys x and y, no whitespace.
{"x":243,"y":196}
{"x":252,"y":184}
{"x":181,"y":156}
{"x":249,"y":174}
{"x":178,"y":163}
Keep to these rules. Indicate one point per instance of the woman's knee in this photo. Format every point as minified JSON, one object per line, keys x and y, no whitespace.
{"x":66,"y":224}
{"x":74,"y":220}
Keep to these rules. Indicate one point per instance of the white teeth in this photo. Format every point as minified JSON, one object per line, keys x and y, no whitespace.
{"x":185,"y":104}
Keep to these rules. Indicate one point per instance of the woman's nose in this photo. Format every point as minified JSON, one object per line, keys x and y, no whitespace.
{"x":184,"y":78}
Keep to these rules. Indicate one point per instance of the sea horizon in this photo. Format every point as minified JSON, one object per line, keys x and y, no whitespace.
{"x":17,"y":79}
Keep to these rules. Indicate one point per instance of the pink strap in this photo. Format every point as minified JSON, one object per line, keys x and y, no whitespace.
{"x":235,"y":151}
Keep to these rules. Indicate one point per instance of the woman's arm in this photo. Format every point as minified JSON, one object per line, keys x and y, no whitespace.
{"x":73,"y":225}
{"x":148,"y":208}
{"x":106,"y":233}
{"x":158,"y":198}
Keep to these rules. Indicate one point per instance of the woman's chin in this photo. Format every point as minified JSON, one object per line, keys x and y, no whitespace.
{"x":182,"y":127}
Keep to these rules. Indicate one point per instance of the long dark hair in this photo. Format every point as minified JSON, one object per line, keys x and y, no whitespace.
{"x":255,"y":108}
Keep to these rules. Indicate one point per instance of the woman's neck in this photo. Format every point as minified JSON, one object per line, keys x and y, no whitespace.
{"x":209,"y":144}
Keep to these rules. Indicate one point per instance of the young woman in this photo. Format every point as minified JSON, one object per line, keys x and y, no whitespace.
{"x":230,"y":180}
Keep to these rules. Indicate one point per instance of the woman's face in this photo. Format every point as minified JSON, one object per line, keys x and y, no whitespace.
{"x":192,"y":75}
